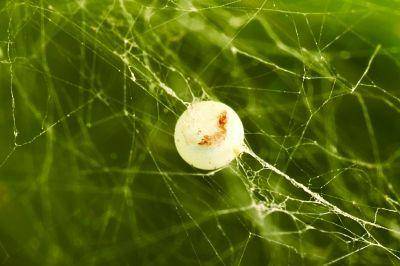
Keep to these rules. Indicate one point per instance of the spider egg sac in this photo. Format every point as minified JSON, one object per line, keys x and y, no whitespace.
{"x":209,"y":135}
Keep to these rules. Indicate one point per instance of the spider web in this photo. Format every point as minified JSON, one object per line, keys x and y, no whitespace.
{"x":91,"y":91}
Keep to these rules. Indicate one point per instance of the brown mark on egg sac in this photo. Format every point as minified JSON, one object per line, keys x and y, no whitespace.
{"x":220,"y":135}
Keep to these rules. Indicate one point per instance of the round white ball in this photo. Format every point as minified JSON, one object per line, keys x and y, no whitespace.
{"x":209,"y":135}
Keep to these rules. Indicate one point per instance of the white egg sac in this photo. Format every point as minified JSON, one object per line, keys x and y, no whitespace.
{"x":209,"y":135}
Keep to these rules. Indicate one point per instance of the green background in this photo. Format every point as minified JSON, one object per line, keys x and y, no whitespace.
{"x":89,"y":174}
